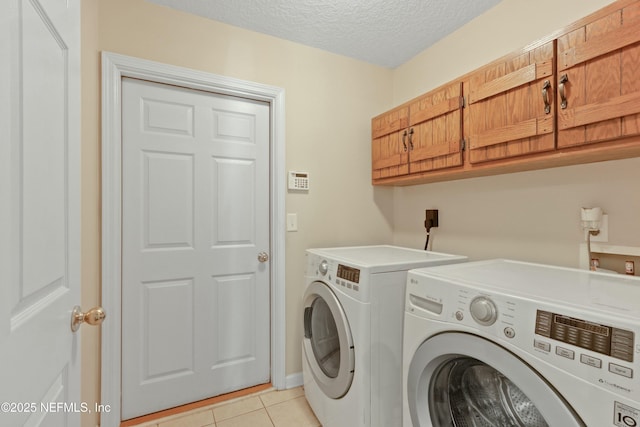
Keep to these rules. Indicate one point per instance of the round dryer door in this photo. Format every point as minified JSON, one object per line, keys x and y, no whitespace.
{"x":460,"y":380}
{"x":328,"y":344}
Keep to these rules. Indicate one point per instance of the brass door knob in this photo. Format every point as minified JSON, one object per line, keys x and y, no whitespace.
{"x":263,"y":257}
{"x":94,"y":317}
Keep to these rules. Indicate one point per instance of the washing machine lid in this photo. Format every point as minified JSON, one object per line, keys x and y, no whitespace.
{"x":588,"y":290}
{"x":386,"y":258}
{"x":457,"y":379}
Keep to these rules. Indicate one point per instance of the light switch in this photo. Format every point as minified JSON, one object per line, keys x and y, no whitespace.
{"x":292,"y":222}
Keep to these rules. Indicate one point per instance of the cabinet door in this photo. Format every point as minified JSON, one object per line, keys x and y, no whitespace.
{"x":511,"y":109}
{"x":435,"y":130}
{"x":598,"y":79}
{"x":390,"y":145}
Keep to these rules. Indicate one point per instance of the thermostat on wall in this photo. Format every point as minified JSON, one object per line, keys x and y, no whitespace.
{"x":298,"y":180}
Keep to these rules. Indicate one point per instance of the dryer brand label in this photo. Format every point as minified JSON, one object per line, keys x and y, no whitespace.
{"x":625,"y":416}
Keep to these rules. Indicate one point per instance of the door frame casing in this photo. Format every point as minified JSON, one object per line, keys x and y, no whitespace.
{"x":114,"y":68}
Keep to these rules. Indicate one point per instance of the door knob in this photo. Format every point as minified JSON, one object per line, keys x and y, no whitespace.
{"x":94,"y":317}
{"x":263,"y":257}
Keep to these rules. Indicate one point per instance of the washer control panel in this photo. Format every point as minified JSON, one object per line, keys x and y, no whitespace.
{"x":589,"y":344}
{"x":603,"y":339}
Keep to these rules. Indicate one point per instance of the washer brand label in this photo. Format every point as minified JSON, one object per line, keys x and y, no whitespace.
{"x":625,"y":416}
{"x":614,"y":385}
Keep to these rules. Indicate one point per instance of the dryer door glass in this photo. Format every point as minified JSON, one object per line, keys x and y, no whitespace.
{"x":327,"y":345}
{"x":467,"y":392}
{"x":325,"y":341}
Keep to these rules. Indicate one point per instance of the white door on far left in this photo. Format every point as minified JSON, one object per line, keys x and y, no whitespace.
{"x":39,"y":212}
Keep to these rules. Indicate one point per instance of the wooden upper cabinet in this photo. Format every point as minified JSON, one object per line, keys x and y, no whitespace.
{"x":390,"y":145}
{"x":420,"y":136}
{"x":598,"y":79}
{"x":511,"y":106}
{"x":572,"y":97}
{"x":435,"y":129}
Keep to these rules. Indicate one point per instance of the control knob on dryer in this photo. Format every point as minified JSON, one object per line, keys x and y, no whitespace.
{"x":483,"y":311}
{"x":323,"y":267}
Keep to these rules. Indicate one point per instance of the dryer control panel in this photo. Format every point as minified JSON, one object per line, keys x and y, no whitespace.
{"x":348,"y":279}
{"x":348,"y":273}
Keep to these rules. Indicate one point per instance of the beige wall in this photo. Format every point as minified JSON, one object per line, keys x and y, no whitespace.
{"x":329,"y":102}
{"x":530,"y":215}
{"x":90,"y":204}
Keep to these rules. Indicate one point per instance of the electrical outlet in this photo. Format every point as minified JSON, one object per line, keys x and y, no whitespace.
{"x":430,"y":218}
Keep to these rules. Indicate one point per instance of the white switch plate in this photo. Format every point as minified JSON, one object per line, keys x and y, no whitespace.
{"x":292,"y":222}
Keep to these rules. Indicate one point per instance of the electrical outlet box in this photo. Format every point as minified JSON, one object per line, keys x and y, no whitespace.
{"x":430,"y":218}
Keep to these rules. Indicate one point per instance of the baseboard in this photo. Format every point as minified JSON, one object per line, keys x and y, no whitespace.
{"x":294,"y":380}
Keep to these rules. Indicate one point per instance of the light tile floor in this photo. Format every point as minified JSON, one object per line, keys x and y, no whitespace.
{"x":287,"y":408}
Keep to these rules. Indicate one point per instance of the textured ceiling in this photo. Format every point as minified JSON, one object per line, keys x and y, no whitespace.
{"x":382,"y":32}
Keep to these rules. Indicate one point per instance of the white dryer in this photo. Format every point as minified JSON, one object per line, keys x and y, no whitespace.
{"x":506,"y":343}
{"x":352,"y":344}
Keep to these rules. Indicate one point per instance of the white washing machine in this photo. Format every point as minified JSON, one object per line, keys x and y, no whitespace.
{"x":506,"y":343}
{"x":352,"y":345}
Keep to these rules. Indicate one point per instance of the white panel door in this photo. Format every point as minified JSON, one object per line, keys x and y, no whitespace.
{"x":39,"y":212}
{"x":195,"y":297}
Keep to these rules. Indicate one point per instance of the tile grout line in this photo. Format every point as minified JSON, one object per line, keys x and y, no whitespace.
{"x":273,"y":423}
{"x":259,"y":395}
